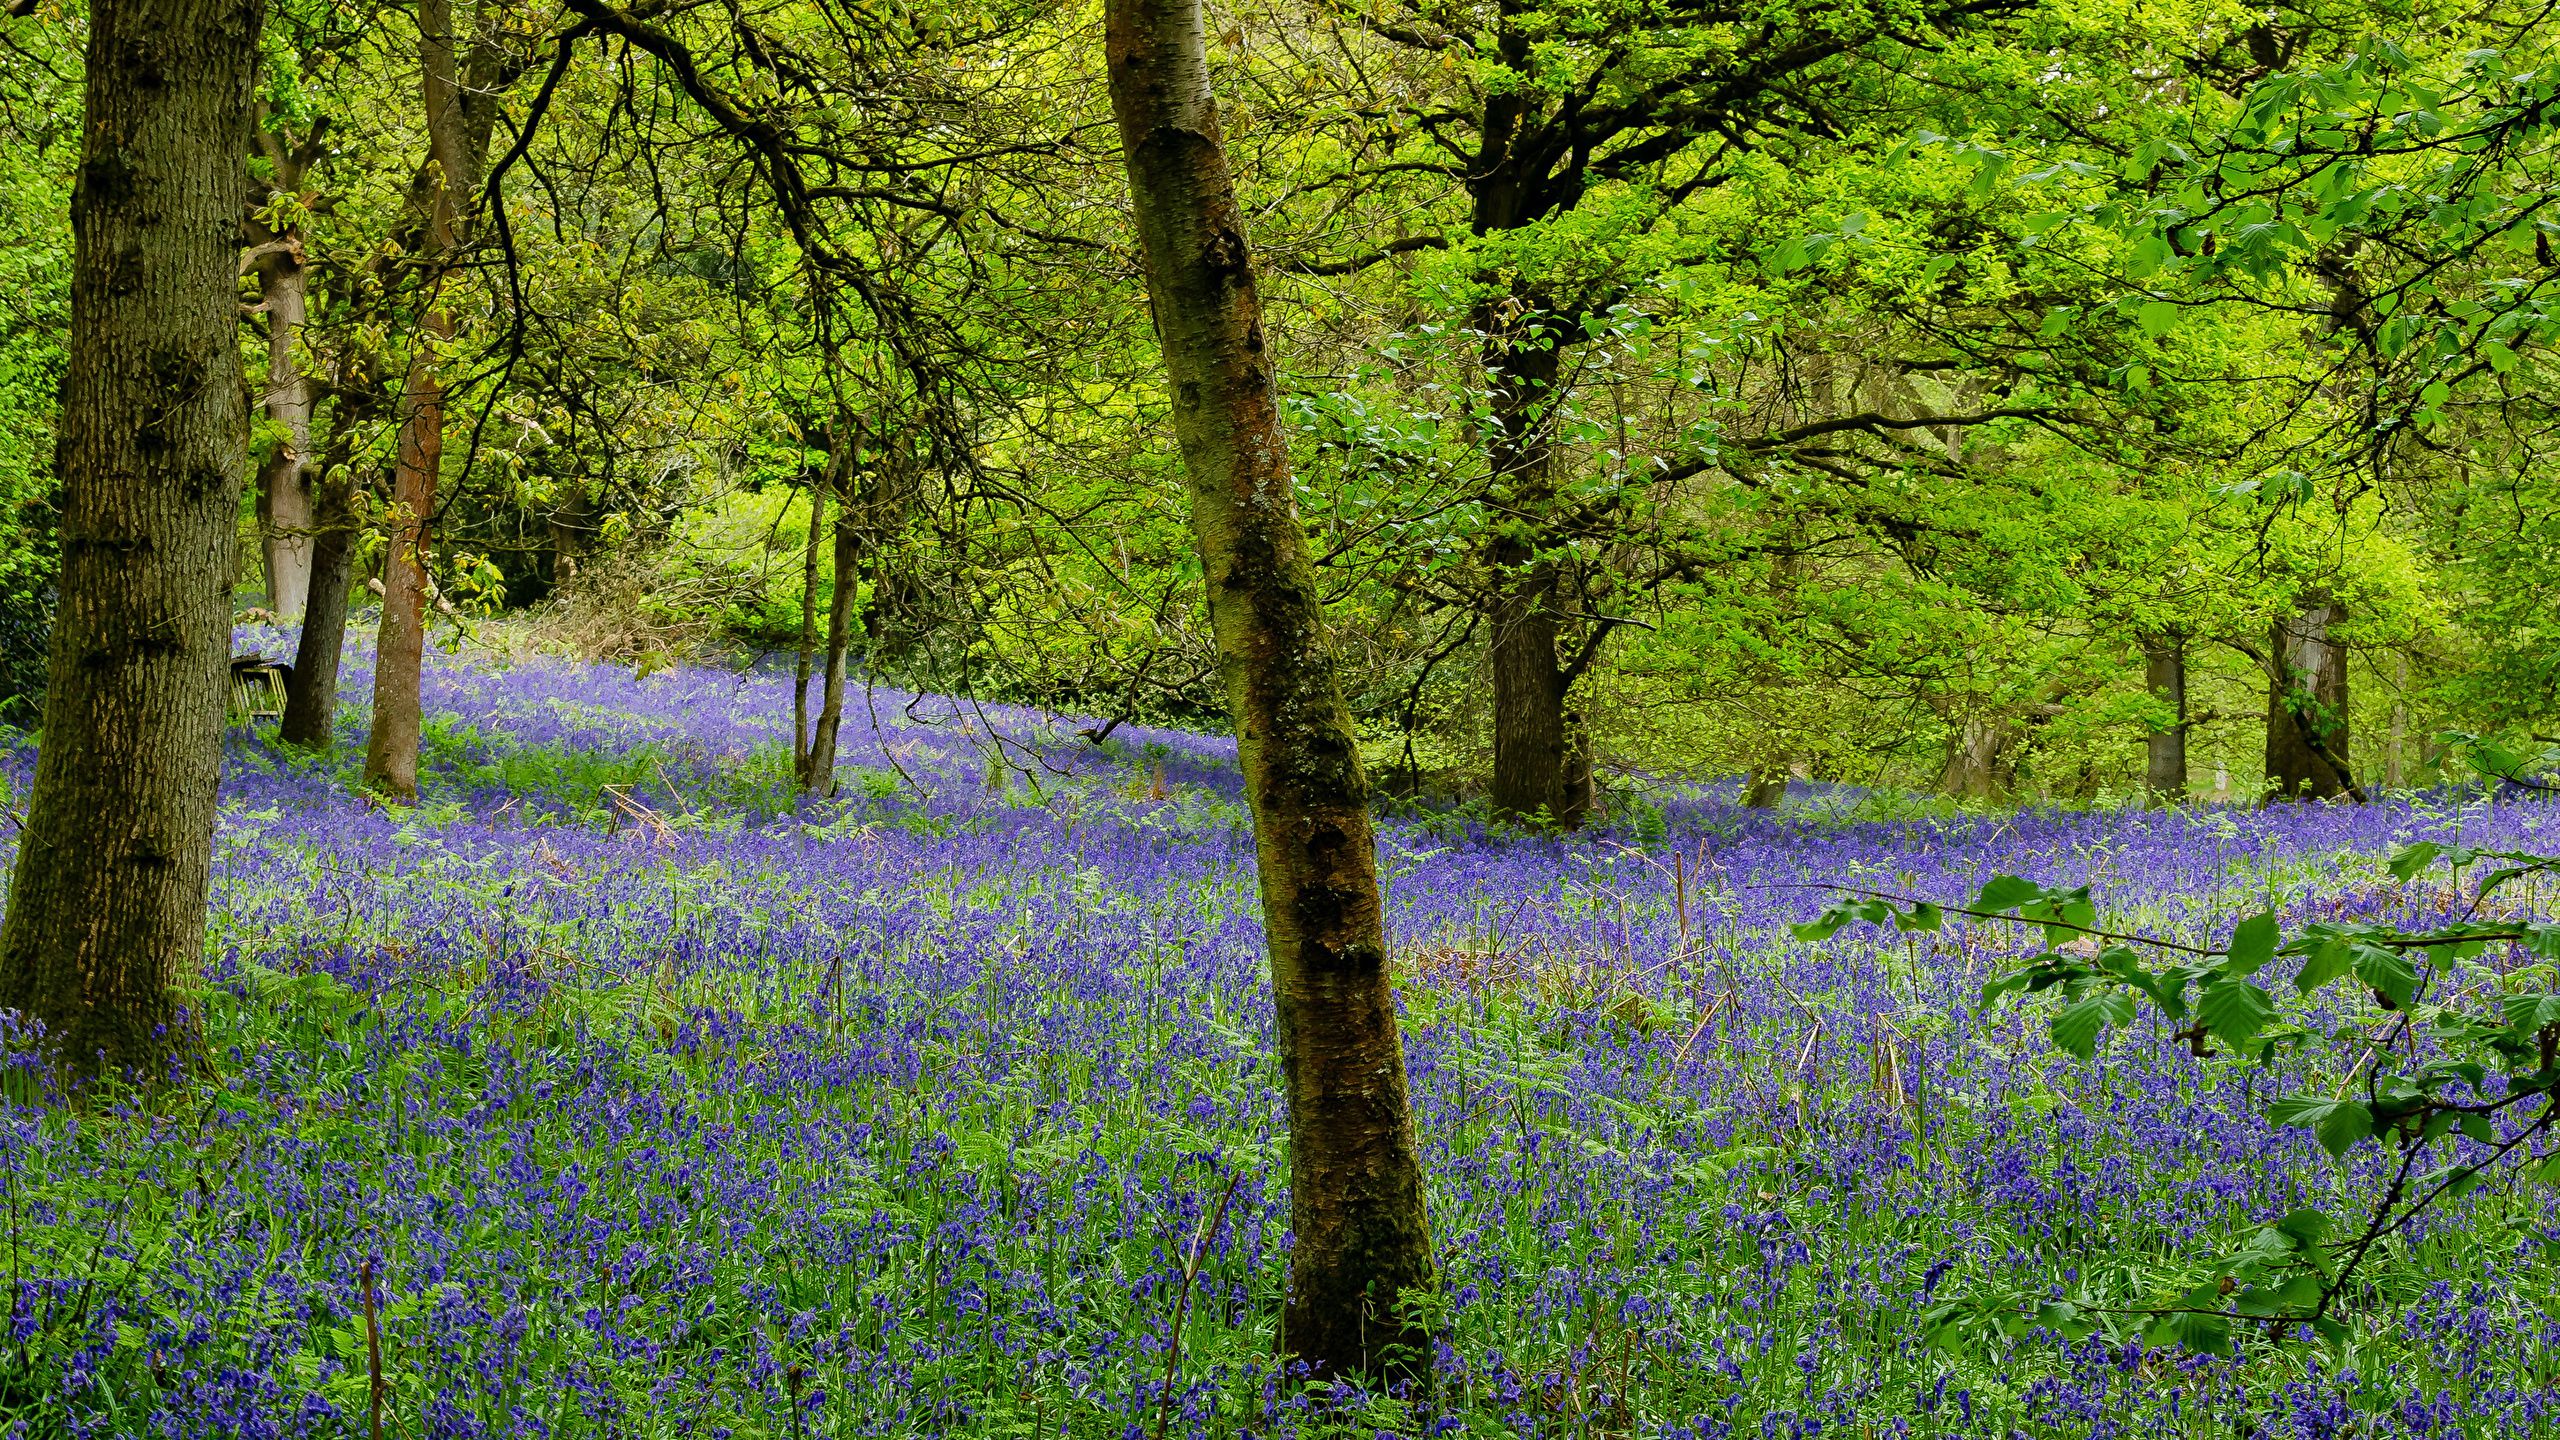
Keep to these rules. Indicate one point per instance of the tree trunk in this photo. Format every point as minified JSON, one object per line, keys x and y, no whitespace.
{"x":311,"y":696}
{"x":1531,"y":739}
{"x":2164,"y":659}
{"x":107,"y":905}
{"x":808,"y":625}
{"x":1976,"y":748}
{"x":285,"y":521}
{"x":391,"y":748}
{"x":571,"y":526}
{"x":1766,"y":789}
{"x":2307,"y":756}
{"x":457,"y":136}
{"x":1362,"y":1250}
{"x":821,"y":779}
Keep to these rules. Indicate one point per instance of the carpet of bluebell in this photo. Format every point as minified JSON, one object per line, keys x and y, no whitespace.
{"x":612,"y":1092}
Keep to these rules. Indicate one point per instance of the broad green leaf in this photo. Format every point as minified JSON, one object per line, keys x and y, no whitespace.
{"x":2336,"y":1124}
{"x":2415,"y":858}
{"x":2253,"y":944}
{"x":2234,"y":1011}
{"x":2390,"y":972}
{"x":2204,"y":1334}
{"x":2322,"y":965}
{"x":2076,"y":1027}
{"x":2006,"y":892}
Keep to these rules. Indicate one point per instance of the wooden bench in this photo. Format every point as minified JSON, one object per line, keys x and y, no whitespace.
{"x":257,"y":689}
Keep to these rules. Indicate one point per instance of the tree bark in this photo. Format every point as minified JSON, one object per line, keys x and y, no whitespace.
{"x":107,"y":905}
{"x":2164,"y":661}
{"x":391,"y":747}
{"x":1765,"y":789}
{"x":459,"y":118}
{"x":821,"y":777}
{"x":808,"y":625}
{"x":1531,"y":739}
{"x":2307,"y":755}
{"x":1977,"y":746}
{"x":285,"y":518}
{"x":1362,"y":1250}
{"x":311,"y":695}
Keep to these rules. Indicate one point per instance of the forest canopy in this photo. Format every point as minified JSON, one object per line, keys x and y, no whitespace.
{"x":2022,"y":401}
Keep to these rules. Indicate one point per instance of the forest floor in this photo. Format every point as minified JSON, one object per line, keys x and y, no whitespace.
{"x":609,"y":1092}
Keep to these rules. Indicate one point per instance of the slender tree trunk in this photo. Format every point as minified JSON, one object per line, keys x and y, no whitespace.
{"x":2164,"y":659}
{"x":285,"y":518}
{"x":2394,"y":771}
{"x":818,"y":484}
{"x":311,"y":698}
{"x":455,"y":141}
{"x":391,"y":748}
{"x":848,"y":563}
{"x":2307,"y":755}
{"x":1532,"y":743}
{"x":107,"y":905}
{"x":1362,"y":1250}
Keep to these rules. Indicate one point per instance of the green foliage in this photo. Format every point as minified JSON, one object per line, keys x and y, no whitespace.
{"x":2487,"y":1073}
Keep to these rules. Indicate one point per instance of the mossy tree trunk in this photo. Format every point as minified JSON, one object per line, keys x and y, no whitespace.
{"x":2164,"y":657}
{"x":2307,"y":756}
{"x":1363,"y":1247}
{"x":107,"y":905}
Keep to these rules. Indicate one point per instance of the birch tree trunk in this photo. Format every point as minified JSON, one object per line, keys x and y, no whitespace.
{"x":1363,"y":1245}
{"x":107,"y":905}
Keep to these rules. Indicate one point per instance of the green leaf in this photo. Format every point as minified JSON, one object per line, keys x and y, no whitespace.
{"x":1923,"y":916}
{"x":2324,"y":964}
{"x":2234,"y":1011}
{"x":2530,"y":1012}
{"x":2414,"y":859}
{"x":2390,"y":972}
{"x":2076,"y":1028}
{"x":2305,"y":1227}
{"x":1824,"y":926}
{"x":2157,"y":318}
{"x":2336,"y":1124}
{"x":2006,"y":892}
{"x":2253,"y":944}
{"x":2204,"y":1334}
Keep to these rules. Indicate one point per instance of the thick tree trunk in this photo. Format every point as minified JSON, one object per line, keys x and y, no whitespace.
{"x":1976,"y":749}
{"x":1532,"y":740}
{"x":107,"y":905}
{"x":2164,"y":662}
{"x":821,"y":779}
{"x":311,"y":697}
{"x":1766,"y":788}
{"x":800,"y":669}
{"x":1362,"y":1250}
{"x":2307,"y":756}
{"x":571,"y":525}
{"x":285,"y":519}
